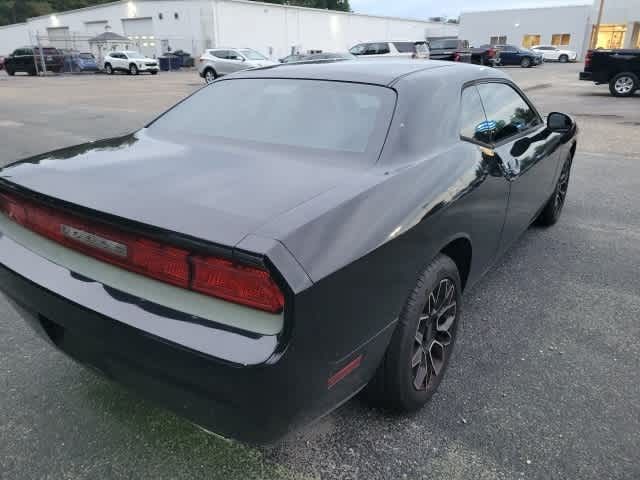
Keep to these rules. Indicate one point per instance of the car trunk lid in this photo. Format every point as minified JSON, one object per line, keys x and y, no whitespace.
{"x":217,"y":194}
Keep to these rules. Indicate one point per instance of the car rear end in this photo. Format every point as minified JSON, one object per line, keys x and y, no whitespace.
{"x":600,"y":66}
{"x":452,"y":50}
{"x":204,"y":329}
{"x":52,"y":57}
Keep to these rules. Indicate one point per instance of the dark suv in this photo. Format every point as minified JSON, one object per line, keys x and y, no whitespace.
{"x":24,"y":60}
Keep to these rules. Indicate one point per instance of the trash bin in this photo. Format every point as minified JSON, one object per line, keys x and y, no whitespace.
{"x":164,"y":63}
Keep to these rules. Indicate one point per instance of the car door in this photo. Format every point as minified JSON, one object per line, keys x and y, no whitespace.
{"x":509,"y":55}
{"x":236,"y":61}
{"x":526,"y":149}
{"x":25,"y":60}
{"x":16,"y":60}
{"x":489,"y":197}
{"x":115,"y":60}
{"x":221,"y":64}
{"x":549,"y":53}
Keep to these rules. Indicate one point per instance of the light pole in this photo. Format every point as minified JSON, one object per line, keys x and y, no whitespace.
{"x":594,"y":40}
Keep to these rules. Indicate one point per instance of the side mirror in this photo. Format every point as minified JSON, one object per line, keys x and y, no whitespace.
{"x":559,"y":122}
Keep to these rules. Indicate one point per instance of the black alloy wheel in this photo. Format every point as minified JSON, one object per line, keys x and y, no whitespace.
{"x":552,"y":210}
{"x":435,"y":333}
{"x":563,"y":186}
{"x":421,"y":346}
{"x":526,"y":62}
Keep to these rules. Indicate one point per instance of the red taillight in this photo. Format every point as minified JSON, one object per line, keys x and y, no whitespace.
{"x":237,"y":283}
{"x":456,"y":57}
{"x":491,"y":52}
{"x":588,"y":58}
{"x":217,"y":277}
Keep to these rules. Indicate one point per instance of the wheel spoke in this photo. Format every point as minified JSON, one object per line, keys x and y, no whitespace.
{"x":436,"y":357}
{"x":417,"y":357}
{"x":421,"y":375}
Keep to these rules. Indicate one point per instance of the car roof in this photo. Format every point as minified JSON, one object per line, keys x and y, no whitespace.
{"x":374,"y":71}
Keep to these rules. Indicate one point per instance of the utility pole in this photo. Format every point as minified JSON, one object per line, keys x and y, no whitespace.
{"x":594,"y":40}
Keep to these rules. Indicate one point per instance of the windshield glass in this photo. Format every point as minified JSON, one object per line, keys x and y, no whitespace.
{"x":135,"y":55}
{"x":309,"y":114}
{"x":252,"y":54}
{"x":86,"y":56}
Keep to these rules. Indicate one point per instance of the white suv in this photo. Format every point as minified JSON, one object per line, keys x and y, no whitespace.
{"x":551,"y":52}
{"x":129,"y":61}
{"x":405,"y":49}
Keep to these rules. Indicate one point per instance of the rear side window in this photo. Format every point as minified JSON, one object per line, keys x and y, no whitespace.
{"x":507,"y":112}
{"x":404,"y":47}
{"x":473,"y":122}
{"x":382,"y":48}
{"x":306,"y":114}
{"x":220,"y":53}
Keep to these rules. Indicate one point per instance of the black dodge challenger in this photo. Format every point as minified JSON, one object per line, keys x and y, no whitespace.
{"x":284,"y":237}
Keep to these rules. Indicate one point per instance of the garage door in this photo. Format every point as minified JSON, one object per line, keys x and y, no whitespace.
{"x":140,"y":32}
{"x":59,"y":37}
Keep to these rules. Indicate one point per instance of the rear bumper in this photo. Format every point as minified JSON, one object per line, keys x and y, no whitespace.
{"x":587,"y":76}
{"x":255,"y":388}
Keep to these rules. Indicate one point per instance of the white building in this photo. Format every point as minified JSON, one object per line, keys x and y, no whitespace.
{"x":194,"y":25}
{"x":569,"y":26}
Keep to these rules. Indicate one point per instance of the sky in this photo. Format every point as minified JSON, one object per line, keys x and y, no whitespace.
{"x":448,"y":8}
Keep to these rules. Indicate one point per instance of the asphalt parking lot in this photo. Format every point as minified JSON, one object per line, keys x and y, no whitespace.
{"x":545,"y":382}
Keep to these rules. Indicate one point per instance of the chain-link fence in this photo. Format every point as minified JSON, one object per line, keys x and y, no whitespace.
{"x":76,"y":53}
{"x":68,"y":53}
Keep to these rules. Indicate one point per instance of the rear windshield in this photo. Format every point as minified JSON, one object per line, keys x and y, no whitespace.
{"x":252,"y":54}
{"x":309,"y":114}
{"x":86,"y":56}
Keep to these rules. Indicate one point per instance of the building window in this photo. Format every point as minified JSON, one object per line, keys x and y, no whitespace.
{"x":529,"y":41}
{"x":609,"y":36}
{"x":498,"y":40}
{"x":560,"y":39}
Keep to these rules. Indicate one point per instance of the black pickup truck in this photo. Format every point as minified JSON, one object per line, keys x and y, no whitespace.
{"x":450,"y":49}
{"x":30,"y":60}
{"x":619,"y":68}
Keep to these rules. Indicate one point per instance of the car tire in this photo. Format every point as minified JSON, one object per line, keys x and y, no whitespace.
{"x":525,"y":62}
{"x":563,"y":58}
{"x":624,"y":84}
{"x":133,"y":70}
{"x":33,"y":72}
{"x":154,"y":72}
{"x":108,"y":69}
{"x":10,"y":72}
{"x":210,"y":75}
{"x":421,"y":347}
{"x":553,"y":208}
